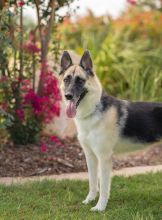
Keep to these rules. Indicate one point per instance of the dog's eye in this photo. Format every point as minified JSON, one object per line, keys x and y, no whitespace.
{"x":80,"y":80}
{"x":67,"y":79}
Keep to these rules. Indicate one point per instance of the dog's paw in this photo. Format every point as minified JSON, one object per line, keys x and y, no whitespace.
{"x":97,"y":208}
{"x":86,"y":201}
{"x":89,"y":198}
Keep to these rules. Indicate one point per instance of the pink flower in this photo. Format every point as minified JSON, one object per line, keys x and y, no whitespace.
{"x":21,"y":3}
{"x":20,"y":113}
{"x":132,"y":2}
{"x":25,"y":85}
{"x":32,"y":98}
{"x":54,"y":138}
{"x":43,"y":148}
{"x":31,"y":47}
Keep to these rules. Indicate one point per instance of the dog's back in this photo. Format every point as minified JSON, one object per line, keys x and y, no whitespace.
{"x":144,"y":121}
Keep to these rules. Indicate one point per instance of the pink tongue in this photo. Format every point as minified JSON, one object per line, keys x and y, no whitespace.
{"x":71,"y":109}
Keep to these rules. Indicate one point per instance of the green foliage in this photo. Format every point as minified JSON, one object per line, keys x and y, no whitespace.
{"x":6,"y":119}
{"x":5,"y":38}
{"x":25,"y":133}
{"x":86,"y":33}
{"x":130,"y":64}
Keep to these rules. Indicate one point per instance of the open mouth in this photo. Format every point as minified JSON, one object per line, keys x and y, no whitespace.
{"x":81,"y":97}
{"x":72,"y":105}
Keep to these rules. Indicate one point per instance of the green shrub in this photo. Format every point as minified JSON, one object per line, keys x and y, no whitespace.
{"x":130,"y":68}
{"x":25,"y":133}
{"x":86,"y":32}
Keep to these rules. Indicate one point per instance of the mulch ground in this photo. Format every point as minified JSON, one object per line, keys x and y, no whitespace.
{"x":65,"y":156}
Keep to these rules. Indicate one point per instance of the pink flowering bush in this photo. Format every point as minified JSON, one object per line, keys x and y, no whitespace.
{"x":35,"y":110}
{"x":30,"y":110}
{"x":46,"y":106}
{"x":22,"y":55}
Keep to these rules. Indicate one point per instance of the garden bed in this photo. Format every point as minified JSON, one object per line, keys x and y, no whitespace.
{"x":64,"y":156}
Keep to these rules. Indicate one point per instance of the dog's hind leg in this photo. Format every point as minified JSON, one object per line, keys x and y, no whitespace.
{"x":105,"y":168}
{"x":92,"y":165}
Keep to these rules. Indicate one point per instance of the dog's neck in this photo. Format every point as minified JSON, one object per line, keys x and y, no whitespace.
{"x":88,"y":105}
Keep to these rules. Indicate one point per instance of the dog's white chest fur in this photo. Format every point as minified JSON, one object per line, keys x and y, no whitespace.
{"x":88,"y":128}
{"x":98,"y":131}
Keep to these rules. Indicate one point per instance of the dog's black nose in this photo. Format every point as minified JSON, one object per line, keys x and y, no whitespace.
{"x":69,"y":96}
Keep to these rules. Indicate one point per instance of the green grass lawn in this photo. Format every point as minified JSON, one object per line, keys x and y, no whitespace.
{"x":133,"y":198}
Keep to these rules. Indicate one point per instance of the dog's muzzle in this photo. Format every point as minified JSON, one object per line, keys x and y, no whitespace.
{"x":72,"y":103}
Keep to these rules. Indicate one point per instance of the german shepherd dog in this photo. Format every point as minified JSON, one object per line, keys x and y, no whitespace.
{"x":102,"y":121}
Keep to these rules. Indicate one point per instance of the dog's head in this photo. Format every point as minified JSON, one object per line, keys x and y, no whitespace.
{"x":77,"y":81}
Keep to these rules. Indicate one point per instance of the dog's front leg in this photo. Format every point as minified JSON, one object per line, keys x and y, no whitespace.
{"x":105,"y":167}
{"x":92,"y":173}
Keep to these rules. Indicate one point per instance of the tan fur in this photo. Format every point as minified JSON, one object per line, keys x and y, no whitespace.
{"x":75,"y":69}
{"x":110,"y":123}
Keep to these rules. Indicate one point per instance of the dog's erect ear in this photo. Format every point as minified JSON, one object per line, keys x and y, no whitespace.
{"x":65,"y":61}
{"x":86,"y":63}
